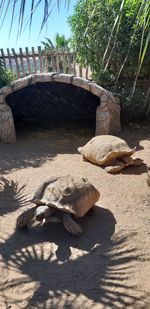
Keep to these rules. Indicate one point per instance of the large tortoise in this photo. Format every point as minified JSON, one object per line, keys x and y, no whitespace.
{"x":58,"y":199}
{"x":109,"y":151}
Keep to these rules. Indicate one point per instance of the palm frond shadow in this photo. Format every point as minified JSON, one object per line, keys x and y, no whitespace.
{"x":101,"y":274}
{"x":11,"y":196}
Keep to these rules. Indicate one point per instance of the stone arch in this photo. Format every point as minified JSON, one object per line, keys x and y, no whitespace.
{"x":107,"y":112}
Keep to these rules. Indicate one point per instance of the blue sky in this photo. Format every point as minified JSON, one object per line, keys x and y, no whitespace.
{"x":57,"y":23}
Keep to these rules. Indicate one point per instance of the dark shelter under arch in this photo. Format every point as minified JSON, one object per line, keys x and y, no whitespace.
{"x":62,"y":98}
{"x":45,"y":105}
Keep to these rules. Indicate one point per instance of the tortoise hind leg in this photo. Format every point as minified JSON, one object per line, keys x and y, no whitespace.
{"x":132,"y":161}
{"x":25,"y":218}
{"x":138,"y":161}
{"x":70,"y":225}
{"x":116,"y":167}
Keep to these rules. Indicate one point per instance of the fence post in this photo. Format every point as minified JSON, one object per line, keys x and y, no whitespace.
{"x":41,"y":59}
{"x":34,"y":59}
{"x":28,"y":61}
{"x":10,"y":62}
{"x":3,"y":57}
{"x":22,"y":63}
{"x":17,"y":64}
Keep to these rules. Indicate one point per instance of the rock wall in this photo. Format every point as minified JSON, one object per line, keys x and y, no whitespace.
{"x":107,"y":111}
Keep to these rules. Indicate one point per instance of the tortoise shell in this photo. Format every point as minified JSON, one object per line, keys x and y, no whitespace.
{"x":103,"y":149}
{"x":74,"y":195}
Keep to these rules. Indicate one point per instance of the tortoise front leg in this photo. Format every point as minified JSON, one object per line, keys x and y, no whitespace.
{"x":25,"y":218}
{"x":43,"y":212}
{"x":70,"y":225}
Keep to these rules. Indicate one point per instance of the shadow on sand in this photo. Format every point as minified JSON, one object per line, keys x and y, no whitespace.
{"x":11,"y":196}
{"x":35,"y":146}
{"x":98,"y":271}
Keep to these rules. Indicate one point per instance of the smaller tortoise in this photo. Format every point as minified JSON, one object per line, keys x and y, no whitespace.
{"x":58,"y":199}
{"x":109,"y":151}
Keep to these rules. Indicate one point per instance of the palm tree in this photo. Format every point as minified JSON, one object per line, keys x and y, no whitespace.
{"x":61,"y":43}
{"x":48,"y":45}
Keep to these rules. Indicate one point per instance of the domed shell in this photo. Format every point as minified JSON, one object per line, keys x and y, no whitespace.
{"x":74,"y":195}
{"x":103,"y":149}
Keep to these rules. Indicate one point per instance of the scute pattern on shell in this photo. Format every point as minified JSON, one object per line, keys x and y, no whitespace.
{"x":103,"y":149}
{"x":75,"y":195}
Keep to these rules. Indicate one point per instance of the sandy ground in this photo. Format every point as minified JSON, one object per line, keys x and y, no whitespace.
{"x":45,"y":267}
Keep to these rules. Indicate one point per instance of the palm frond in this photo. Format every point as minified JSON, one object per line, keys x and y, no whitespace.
{"x":67,"y":3}
{"x":21,"y":16}
{"x":47,"y":5}
{"x":46,"y":13}
{"x":31,"y":14}
{"x":5,"y":13}
{"x":50,"y":42}
{"x":1,"y":6}
{"x":58,"y":4}
{"x":12,"y":18}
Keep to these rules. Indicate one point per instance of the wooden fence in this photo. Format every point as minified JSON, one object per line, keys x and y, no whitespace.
{"x":27,"y":62}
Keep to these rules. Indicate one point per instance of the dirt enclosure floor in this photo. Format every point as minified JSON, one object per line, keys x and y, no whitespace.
{"x":108,"y":266}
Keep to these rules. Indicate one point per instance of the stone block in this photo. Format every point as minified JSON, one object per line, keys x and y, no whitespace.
{"x":2,"y":98}
{"x":63,"y":78}
{"x":6,"y":90}
{"x":81,"y":82}
{"x":95,"y":89}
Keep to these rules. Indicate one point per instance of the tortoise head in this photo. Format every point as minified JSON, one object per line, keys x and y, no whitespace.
{"x":42,"y":212}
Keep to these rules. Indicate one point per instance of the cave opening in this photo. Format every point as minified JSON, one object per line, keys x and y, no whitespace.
{"x":53,"y":105}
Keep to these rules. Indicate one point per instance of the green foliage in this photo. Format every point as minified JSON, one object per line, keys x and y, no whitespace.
{"x":135,"y":109}
{"x":138,"y":109}
{"x":61,"y":43}
{"x":6,"y":76}
{"x":48,"y":45}
{"x":107,"y":36}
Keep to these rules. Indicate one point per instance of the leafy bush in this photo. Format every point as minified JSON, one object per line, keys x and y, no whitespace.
{"x":136,"y":108}
{"x":6,"y":76}
{"x":91,"y":26}
{"x":112,"y":36}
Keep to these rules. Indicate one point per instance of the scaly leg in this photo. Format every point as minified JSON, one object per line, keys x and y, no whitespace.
{"x":25,"y":218}
{"x":70,"y":225}
{"x":115,"y":168}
